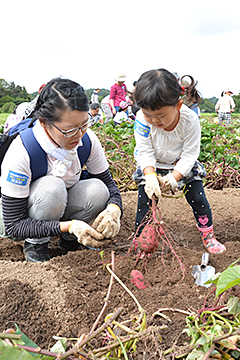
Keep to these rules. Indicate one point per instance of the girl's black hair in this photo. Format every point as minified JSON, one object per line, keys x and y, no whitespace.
{"x":158,"y":88}
{"x":60,"y":95}
{"x":222,"y":93}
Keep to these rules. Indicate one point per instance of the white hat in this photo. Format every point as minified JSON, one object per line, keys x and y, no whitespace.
{"x":121,"y":77}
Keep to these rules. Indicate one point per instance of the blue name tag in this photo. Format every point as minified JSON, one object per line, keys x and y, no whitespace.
{"x":18,"y":179}
{"x":141,"y":129}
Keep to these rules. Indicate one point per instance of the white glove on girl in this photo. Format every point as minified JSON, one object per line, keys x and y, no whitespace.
{"x":167,"y":182}
{"x":108,"y":221}
{"x":86,"y":235}
{"x":152,"y":185}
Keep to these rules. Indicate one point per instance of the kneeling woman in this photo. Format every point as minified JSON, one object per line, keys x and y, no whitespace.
{"x":59,"y":202}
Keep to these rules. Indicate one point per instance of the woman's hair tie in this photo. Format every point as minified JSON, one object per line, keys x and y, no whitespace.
{"x":182,"y":92}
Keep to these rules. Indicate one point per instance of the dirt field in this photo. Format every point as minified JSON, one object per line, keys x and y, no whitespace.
{"x":64,"y":296}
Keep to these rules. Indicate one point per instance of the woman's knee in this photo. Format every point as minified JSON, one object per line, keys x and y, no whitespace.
{"x":97,"y":190}
{"x":86,"y":200}
{"x":47,"y":199}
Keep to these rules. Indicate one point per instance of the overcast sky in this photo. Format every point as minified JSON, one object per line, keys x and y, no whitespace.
{"x":92,"y":42}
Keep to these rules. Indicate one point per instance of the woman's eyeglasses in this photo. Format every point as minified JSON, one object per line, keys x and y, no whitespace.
{"x":74,"y":131}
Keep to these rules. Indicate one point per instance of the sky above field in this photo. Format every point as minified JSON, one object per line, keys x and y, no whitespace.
{"x":92,"y":42}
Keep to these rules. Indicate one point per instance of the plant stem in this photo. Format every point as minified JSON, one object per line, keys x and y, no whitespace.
{"x":123,"y":350}
{"x":229,"y":326}
{"x":10,"y":336}
{"x":107,"y":297}
{"x":125,"y":287}
{"x":81,"y":343}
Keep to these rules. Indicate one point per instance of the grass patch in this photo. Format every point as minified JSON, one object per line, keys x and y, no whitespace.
{"x":3,"y":118}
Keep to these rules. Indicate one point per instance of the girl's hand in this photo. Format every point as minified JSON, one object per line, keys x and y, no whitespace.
{"x":152,"y":185}
{"x":167,"y":182}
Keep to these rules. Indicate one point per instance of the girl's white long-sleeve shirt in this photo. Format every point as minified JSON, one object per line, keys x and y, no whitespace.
{"x":225,"y":104}
{"x":177,"y":149}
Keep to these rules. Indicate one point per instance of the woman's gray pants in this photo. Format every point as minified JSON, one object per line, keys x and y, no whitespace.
{"x":50,"y":200}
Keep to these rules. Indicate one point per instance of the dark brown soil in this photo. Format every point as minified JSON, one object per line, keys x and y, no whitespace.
{"x":64,"y":296}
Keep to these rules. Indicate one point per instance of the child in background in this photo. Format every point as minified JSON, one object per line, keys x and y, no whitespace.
{"x":16,"y":117}
{"x":224,"y":107}
{"x":107,"y":108}
{"x":168,"y":138}
{"x":121,"y":114}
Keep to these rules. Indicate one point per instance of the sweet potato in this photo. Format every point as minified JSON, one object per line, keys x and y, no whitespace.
{"x":148,"y":239}
{"x":139,"y":280}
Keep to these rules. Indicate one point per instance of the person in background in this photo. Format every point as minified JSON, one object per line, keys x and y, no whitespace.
{"x":21,"y":112}
{"x":107,"y":108}
{"x":95,"y":96}
{"x":59,"y":203}
{"x":118,"y":93}
{"x":121,"y":115}
{"x":224,"y":107}
{"x":96,"y":114}
{"x":135,"y":108}
{"x":168,"y":136}
{"x":16,"y":117}
{"x":31,"y":106}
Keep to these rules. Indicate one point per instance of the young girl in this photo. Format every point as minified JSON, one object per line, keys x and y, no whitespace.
{"x":121,"y":114}
{"x":225,"y":106}
{"x":59,"y":203}
{"x":168,"y":143}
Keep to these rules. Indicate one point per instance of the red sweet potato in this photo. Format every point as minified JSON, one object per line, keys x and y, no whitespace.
{"x":148,"y":239}
{"x":139,"y":280}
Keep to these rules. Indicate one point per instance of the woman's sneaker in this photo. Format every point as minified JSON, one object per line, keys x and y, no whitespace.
{"x":36,"y":252}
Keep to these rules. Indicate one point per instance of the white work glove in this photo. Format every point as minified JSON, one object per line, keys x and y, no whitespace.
{"x":167,"y":182}
{"x":152,"y":185}
{"x":86,"y":235}
{"x":108,"y":221}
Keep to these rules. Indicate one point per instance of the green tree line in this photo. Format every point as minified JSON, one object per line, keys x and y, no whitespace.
{"x":12,"y":95}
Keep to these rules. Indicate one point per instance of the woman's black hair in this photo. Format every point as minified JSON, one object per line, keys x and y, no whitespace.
{"x":222,"y":93}
{"x":158,"y":88}
{"x":60,"y":95}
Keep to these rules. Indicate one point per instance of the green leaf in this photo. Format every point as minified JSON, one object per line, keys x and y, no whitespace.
{"x":208,"y":146}
{"x":201,"y":341}
{"x":229,"y":278}
{"x":8,"y":352}
{"x":233,"y":305}
{"x":26,"y":341}
{"x":233,"y":263}
{"x":60,"y":346}
{"x":195,"y":354}
{"x":214,"y":279}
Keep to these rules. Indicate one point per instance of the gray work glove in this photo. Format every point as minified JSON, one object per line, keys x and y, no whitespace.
{"x":108,"y":221}
{"x":86,"y":235}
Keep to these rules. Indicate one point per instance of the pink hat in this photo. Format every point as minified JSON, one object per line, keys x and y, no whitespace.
{"x":228,"y":90}
{"x":123,"y":104}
